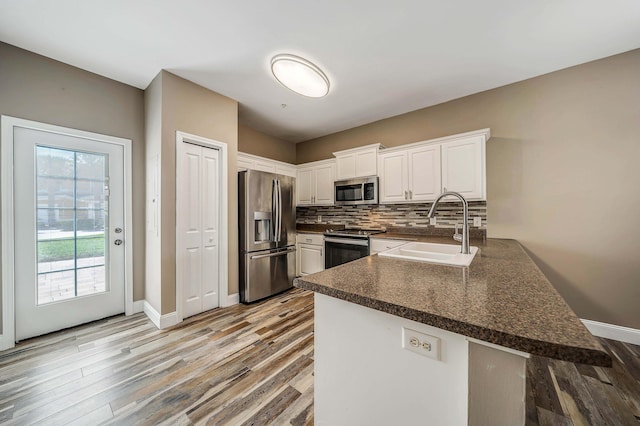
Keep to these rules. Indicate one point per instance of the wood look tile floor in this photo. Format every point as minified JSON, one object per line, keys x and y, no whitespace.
{"x":246,"y":365}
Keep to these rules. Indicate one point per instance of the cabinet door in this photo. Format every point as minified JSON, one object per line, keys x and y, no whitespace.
{"x":345,"y":167}
{"x":393,"y":177}
{"x":324,"y":184}
{"x":366,"y":163}
{"x":304,"y":186}
{"x":311,"y":259}
{"x":463,"y":167}
{"x":424,"y":173}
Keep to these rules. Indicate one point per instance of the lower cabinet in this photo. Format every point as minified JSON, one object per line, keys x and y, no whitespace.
{"x":383,"y":244}
{"x":310,"y":253}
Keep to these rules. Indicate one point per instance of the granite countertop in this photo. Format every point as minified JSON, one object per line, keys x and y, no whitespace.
{"x":501,"y":298}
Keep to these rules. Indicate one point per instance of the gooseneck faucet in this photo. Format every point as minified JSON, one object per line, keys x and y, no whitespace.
{"x":465,"y":217}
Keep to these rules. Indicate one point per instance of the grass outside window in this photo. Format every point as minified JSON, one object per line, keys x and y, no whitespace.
{"x":63,"y":249}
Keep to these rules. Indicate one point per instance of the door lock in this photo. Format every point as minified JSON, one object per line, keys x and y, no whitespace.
{"x":118,"y":242}
{"x":118,"y":230}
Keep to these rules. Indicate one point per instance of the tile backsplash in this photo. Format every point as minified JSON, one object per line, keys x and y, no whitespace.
{"x":391,"y":215}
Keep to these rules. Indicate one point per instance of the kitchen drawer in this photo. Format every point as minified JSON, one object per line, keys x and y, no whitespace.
{"x":315,"y":239}
{"x":382,"y":244}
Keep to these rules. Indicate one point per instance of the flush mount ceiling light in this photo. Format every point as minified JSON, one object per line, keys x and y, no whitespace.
{"x":300,"y":75}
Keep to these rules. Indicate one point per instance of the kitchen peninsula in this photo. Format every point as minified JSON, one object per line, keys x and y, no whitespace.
{"x":480,"y":323}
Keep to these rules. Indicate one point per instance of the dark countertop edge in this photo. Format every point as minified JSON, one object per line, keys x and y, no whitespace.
{"x":536,"y":347}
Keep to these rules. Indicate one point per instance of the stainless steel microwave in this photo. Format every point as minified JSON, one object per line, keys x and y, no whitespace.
{"x":356,"y":191}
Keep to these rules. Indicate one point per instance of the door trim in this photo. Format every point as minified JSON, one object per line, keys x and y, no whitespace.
{"x":8,"y":123}
{"x":223,"y":238}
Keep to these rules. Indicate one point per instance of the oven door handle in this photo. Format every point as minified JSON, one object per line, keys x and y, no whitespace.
{"x":350,"y":241}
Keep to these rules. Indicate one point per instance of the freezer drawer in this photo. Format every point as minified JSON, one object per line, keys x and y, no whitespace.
{"x":266,"y":273}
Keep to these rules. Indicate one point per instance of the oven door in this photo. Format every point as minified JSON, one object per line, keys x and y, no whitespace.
{"x":342,"y":250}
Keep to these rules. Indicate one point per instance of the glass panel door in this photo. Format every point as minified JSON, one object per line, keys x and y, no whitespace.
{"x":70,"y":242}
{"x":72,"y":215}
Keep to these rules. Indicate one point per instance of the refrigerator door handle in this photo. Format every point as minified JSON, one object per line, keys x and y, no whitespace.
{"x":274,"y":209}
{"x":278,"y":253}
{"x":279,"y":211}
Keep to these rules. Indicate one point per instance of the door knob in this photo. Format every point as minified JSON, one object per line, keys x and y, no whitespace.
{"x":117,"y":242}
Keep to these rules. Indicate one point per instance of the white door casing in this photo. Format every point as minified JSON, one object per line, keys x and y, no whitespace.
{"x":200,"y":228}
{"x":183,"y":141}
{"x":19,"y":260}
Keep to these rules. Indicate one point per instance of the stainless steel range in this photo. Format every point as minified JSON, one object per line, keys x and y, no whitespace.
{"x":344,"y":245}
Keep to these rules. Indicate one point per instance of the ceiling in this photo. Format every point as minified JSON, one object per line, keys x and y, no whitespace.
{"x":383,"y":58}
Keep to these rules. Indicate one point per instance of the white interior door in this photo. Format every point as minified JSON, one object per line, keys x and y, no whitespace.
{"x":69,"y":231}
{"x":199,"y":187}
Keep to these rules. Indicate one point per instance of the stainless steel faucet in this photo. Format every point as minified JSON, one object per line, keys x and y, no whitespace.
{"x":465,"y":218}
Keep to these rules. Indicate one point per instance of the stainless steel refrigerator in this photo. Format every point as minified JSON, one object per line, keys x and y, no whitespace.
{"x":267,"y":222}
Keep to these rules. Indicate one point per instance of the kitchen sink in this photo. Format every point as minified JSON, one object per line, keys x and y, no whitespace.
{"x":447,"y":254}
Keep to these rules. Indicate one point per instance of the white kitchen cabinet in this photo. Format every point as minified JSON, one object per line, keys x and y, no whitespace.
{"x":423,"y":170}
{"x":253,"y":162}
{"x":384,"y":244}
{"x":310,"y":253}
{"x":393,"y":177}
{"x":357,"y":162}
{"x":286,"y":169}
{"x":314,"y":183}
{"x":410,"y":175}
{"x":463,"y":167}
{"x":244,"y":163}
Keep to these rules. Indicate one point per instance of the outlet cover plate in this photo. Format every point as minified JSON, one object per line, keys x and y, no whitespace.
{"x":421,"y":343}
{"x":432,"y":220}
{"x":477,"y":221}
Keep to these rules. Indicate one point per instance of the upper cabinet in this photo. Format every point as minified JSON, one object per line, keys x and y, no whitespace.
{"x":422,"y":171}
{"x":410,"y":175}
{"x":254,"y":162}
{"x":314,"y":183}
{"x":463,"y":167}
{"x":357,"y":162}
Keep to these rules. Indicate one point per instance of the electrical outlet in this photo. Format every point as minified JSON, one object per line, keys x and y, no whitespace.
{"x":432,"y":220}
{"x":477,"y":221}
{"x":420,"y":343}
{"x":319,"y":218}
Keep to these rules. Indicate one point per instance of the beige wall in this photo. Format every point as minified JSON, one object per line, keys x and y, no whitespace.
{"x":40,"y":89}
{"x":562,"y":174}
{"x":251,"y":141}
{"x":193,"y":109}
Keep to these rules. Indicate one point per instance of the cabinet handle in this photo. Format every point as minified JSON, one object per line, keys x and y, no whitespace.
{"x":406,"y":194}
{"x":410,"y":195}
{"x":309,"y":240}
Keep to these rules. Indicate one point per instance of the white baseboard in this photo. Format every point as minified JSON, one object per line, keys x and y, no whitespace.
{"x":611,"y":331}
{"x":160,"y":321}
{"x":6,"y":342}
{"x":138,"y":306}
{"x":232,"y":299}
